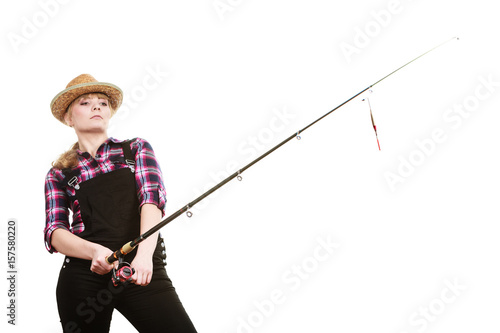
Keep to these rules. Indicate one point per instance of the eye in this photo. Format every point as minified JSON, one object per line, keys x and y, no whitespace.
{"x":104,"y":103}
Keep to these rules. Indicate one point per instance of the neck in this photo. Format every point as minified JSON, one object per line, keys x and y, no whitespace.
{"x":91,"y":142}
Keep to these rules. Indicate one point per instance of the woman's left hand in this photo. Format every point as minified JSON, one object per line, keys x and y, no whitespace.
{"x":143,"y":266}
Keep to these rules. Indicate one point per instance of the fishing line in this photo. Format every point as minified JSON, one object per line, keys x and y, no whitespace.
{"x":128,"y":247}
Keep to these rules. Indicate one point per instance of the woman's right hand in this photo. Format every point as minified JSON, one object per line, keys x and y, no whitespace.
{"x":71,"y":245}
{"x":99,"y":263}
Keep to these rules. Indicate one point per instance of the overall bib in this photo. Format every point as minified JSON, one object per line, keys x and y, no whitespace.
{"x":86,"y":300}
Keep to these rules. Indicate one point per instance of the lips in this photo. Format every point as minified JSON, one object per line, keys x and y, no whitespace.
{"x":96,"y":117}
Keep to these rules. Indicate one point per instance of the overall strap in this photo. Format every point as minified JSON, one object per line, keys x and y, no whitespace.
{"x":127,"y":153}
{"x":70,"y":178}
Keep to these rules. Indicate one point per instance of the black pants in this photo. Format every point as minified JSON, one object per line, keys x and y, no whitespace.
{"x":86,"y":301}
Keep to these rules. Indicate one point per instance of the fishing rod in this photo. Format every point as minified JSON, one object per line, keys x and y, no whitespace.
{"x":128,"y":247}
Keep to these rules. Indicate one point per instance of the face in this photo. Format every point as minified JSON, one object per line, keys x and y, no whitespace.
{"x":89,"y":114}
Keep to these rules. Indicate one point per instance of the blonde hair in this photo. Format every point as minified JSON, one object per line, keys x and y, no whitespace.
{"x":69,"y":159}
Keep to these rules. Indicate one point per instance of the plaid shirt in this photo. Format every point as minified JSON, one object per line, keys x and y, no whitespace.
{"x":109,"y":157}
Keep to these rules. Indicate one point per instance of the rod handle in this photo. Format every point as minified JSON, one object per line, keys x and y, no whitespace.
{"x":126,"y":249}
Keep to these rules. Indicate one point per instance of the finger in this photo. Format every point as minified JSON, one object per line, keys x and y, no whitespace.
{"x":146,"y":278}
{"x":143,"y":279}
{"x":140,"y":279}
{"x":102,"y":268}
{"x":149,"y":277}
{"x":106,"y":268}
{"x":98,"y":270}
{"x":134,"y":277}
{"x":94,"y":267}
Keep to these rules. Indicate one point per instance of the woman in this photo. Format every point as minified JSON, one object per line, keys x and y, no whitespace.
{"x":115,"y":192}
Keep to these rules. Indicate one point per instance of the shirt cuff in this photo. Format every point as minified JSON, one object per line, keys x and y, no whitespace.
{"x":153,"y":196}
{"x":48,"y":235}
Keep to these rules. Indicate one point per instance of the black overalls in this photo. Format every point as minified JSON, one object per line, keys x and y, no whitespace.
{"x":85,"y":300}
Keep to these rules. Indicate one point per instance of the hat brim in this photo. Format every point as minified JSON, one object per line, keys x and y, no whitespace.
{"x":61,"y":102}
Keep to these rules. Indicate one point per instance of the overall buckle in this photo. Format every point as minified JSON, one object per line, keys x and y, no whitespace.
{"x":131,"y":165}
{"x":73,"y":182}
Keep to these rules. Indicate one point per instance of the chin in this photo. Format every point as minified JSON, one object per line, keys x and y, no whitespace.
{"x":95,"y":129}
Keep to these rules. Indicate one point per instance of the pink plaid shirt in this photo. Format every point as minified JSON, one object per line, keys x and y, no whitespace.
{"x":109,"y":157}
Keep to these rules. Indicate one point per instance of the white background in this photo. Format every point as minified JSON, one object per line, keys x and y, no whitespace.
{"x":224,"y":70}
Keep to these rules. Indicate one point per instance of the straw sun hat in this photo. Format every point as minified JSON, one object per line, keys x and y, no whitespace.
{"x":84,"y":84}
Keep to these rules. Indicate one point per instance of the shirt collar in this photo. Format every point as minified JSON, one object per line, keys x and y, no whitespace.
{"x":107,"y":142}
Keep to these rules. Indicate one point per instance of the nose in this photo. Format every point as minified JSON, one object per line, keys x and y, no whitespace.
{"x":96,"y":107}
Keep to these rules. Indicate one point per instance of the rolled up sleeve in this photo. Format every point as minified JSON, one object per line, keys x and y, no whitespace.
{"x":56,"y":209}
{"x":148,"y":176}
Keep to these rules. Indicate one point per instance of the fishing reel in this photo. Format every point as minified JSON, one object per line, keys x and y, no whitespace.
{"x":122,"y":274}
